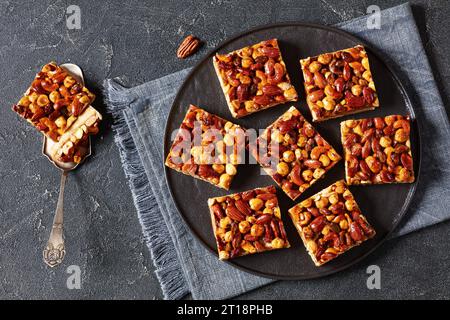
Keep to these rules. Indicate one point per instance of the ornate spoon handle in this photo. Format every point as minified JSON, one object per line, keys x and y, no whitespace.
{"x":55,"y":251}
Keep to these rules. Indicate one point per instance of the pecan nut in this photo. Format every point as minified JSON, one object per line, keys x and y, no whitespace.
{"x":188,"y":47}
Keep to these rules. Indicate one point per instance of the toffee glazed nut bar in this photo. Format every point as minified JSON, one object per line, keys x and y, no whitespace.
{"x":196,"y":161}
{"x":378,"y":150}
{"x":302,"y":155}
{"x":54,"y":101}
{"x":247,"y":222}
{"x":59,"y":106}
{"x":339,"y":83}
{"x":330,"y":223}
{"x":254,"y":78}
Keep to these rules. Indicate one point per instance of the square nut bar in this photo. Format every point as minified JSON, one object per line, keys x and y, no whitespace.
{"x":54,"y":101}
{"x":212,"y":160}
{"x":247,"y":222}
{"x":330,"y":223}
{"x":339,"y":83}
{"x":301,"y":154}
{"x":377,"y":150}
{"x":254,"y":78}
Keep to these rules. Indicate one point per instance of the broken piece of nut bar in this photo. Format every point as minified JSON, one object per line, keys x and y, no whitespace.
{"x":330,"y":223}
{"x":71,"y":145}
{"x":54,"y":101}
{"x":247,"y":222}
{"x":377,"y":150}
{"x":293,"y":153}
{"x":339,"y":83}
{"x":254,"y":78}
{"x":207,"y":147}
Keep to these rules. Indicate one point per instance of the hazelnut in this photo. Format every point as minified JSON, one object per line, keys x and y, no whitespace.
{"x":365,"y":63}
{"x":256,"y":204}
{"x":277,"y":243}
{"x":60,"y":122}
{"x":301,"y":142}
{"x":225,"y":181}
{"x":385,"y":142}
{"x":228,"y":139}
{"x":282,"y":168}
{"x":306,"y":203}
{"x":288,"y":156}
{"x":340,"y":187}
{"x":290,"y":93}
{"x":228,"y":236}
{"x":256,"y":230}
{"x":333,"y":155}
{"x":277,"y":136}
{"x":230,"y":169}
{"x":244,"y":226}
{"x":219,"y":168}
{"x":367,"y":76}
{"x":251,"y":219}
{"x":324,"y":58}
{"x":247,"y":246}
{"x":324,"y":160}
{"x":69,"y":81}
{"x":228,"y":125}
{"x":321,"y":203}
{"x":356,"y":90}
{"x":249,"y":106}
{"x":224,"y":222}
{"x":247,"y":62}
{"x":333,"y":198}
{"x":298,"y":154}
{"x":401,"y":135}
{"x":314,"y":66}
{"x":328,"y":103}
{"x":223,"y":255}
{"x":42,"y":100}
{"x":307,"y":175}
{"x":343,"y":224}
{"x":318,"y":173}
{"x":24,"y":101}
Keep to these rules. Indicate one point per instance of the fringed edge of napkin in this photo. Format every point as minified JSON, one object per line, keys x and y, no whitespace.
{"x":167,"y":267}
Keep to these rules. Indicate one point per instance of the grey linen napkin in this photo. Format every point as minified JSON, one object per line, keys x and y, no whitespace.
{"x":182,"y":264}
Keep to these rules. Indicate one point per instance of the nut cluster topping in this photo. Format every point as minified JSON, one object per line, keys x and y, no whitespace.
{"x":188,"y":47}
{"x":330,"y":223}
{"x":254,"y":78}
{"x":54,"y":101}
{"x":339,"y":83}
{"x":247,"y":222}
{"x":378,"y":150}
{"x":301,"y":155}
{"x":211,"y":160}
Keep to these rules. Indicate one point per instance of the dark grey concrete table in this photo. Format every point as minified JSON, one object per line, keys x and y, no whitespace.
{"x":137,"y":41}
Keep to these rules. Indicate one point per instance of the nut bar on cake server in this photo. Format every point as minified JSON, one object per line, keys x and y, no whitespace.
{"x":378,"y":150}
{"x":58,"y":105}
{"x":330,"y":223}
{"x":293,"y":153}
{"x":339,"y":83}
{"x":247,"y":222}
{"x":254,"y":78}
{"x":214,"y":158}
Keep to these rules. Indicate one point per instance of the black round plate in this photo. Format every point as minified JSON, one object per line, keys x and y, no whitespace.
{"x":383,"y":205}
